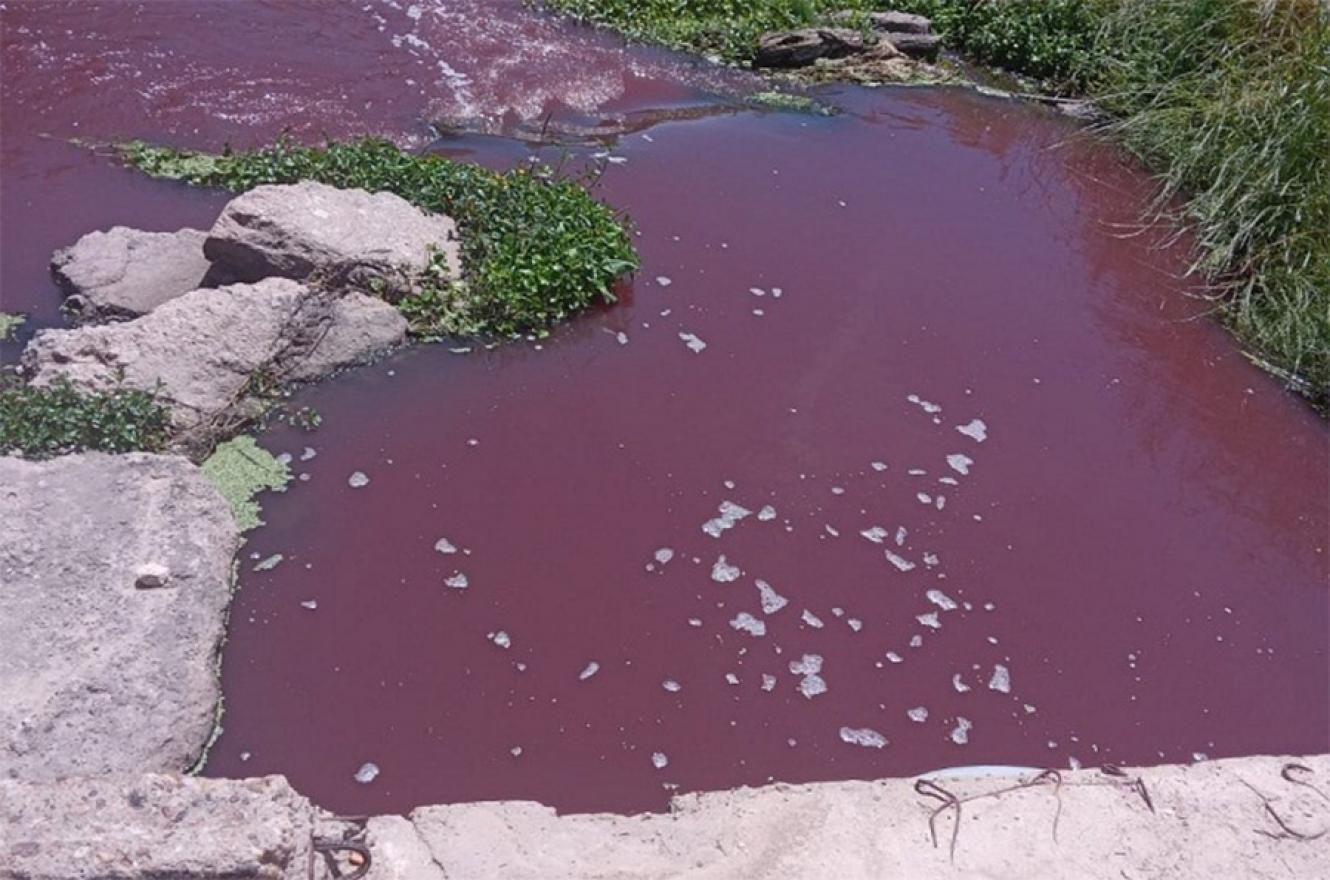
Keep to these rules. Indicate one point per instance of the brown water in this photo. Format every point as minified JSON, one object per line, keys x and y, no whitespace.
{"x":1139,"y":540}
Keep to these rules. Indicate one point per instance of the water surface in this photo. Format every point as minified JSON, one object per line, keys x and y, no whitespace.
{"x":1138,"y":540}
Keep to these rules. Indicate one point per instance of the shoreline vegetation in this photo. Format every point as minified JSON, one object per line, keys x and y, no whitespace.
{"x":1227,"y":102}
{"x":536,"y":248}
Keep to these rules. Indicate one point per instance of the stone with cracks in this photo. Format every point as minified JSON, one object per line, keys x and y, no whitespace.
{"x":895,"y":22}
{"x":122,"y":273}
{"x":198,"y":352}
{"x":155,"y":826}
{"x":802,"y":47}
{"x":295,"y":230}
{"x":923,"y":47}
{"x":97,"y":674}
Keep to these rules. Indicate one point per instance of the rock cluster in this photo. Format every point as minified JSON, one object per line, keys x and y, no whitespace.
{"x":884,"y":36}
{"x":289,"y":285}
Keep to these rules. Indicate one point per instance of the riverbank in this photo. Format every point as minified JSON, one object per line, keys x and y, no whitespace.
{"x":1264,"y":817}
{"x":1228,"y":103}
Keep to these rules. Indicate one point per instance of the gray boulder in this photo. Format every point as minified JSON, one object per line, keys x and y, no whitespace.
{"x":123,"y":273}
{"x":297,"y":230}
{"x":896,"y":22}
{"x":199,"y":352}
{"x":152,"y":826}
{"x":802,"y":47}
{"x":115,"y":574}
{"x":921,"y":47}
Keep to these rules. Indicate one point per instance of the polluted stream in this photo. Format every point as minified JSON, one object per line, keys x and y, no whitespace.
{"x":906,"y":449}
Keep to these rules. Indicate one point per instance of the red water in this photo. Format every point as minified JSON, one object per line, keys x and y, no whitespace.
{"x":1140,"y":540}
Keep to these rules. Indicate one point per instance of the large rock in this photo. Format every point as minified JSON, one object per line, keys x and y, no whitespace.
{"x":155,"y":827}
{"x":801,"y":47}
{"x":923,"y":47}
{"x":200,"y":351}
{"x":896,"y":22}
{"x":123,"y":273}
{"x":115,"y":574}
{"x":296,"y":230}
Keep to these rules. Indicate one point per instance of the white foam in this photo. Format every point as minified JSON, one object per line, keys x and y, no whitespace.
{"x":694,"y":342}
{"x":919,"y":714}
{"x":771,"y":600}
{"x":863,"y":736}
{"x":901,"y":563}
{"x":960,"y":735}
{"x":1001,"y":680}
{"x":941,"y":600}
{"x":876,"y":534}
{"x":457,"y":581}
{"x":591,"y":669}
{"x":367,"y":773}
{"x":960,"y":463}
{"x":974,"y":429}
{"x":358,"y":480}
{"x":811,"y":619}
{"x":659,"y":760}
{"x":745,"y":622}
{"x":723,"y":572}
{"x":443,"y":545}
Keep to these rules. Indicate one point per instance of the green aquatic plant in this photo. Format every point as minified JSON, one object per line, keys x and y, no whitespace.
{"x":9,"y":324}
{"x":56,"y":419}
{"x":241,"y":469}
{"x":537,"y":247}
{"x":773,"y":100}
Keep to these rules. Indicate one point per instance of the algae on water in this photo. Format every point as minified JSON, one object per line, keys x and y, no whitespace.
{"x":241,"y":469}
{"x":9,"y":323}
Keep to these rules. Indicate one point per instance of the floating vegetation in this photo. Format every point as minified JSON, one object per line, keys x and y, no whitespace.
{"x":241,"y":469}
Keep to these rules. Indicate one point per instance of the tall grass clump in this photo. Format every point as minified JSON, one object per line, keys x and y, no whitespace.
{"x":1229,"y":100}
{"x":536,"y":247}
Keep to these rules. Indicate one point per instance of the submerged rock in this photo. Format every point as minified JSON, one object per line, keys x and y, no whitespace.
{"x":293,"y":231}
{"x":201,"y":352}
{"x":101,"y":670}
{"x":122,"y":273}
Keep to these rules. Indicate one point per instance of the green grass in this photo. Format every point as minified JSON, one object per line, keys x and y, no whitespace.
{"x":1227,"y":101}
{"x":1049,"y":39}
{"x":45,"y":421}
{"x":536,"y":247}
{"x":1232,"y":106}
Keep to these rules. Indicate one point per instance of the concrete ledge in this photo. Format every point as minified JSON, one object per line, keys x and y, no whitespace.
{"x":1239,"y":818}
